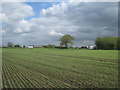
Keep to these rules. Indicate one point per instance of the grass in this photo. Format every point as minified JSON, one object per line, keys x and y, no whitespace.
{"x":59,"y":68}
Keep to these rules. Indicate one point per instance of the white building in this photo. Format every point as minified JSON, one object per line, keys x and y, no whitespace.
{"x":30,"y":46}
{"x":91,"y":47}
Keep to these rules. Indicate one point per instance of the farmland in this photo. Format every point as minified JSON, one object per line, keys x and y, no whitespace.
{"x":59,"y":68}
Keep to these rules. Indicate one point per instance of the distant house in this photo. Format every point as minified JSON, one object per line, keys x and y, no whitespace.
{"x":91,"y":47}
{"x":87,"y":47}
{"x":37,"y":46}
{"x":30,"y":46}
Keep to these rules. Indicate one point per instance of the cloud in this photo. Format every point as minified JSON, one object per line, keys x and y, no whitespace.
{"x":88,"y":20}
{"x":14,"y":0}
{"x":59,"y":0}
{"x":14,"y":12}
{"x":55,"y":33}
{"x":93,"y":0}
{"x":84,"y":21}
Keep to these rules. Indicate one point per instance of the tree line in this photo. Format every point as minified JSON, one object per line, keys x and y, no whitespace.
{"x":66,"y":41}
{"x":103,"y":43}
{"x":108,"y":43}
{"x":11,"y":45}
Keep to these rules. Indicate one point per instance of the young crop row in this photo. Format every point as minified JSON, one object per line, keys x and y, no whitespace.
{"x":45,"y":81}
{"x":45,"y":70}
{"x":15,"y":76}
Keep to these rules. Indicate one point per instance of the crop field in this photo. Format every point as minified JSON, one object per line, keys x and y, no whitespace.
{"x":59,"y":68}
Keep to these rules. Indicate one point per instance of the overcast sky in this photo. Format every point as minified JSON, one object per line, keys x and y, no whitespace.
{"x":38,"y":23}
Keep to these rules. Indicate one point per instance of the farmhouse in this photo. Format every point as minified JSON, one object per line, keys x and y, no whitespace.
{"x":91,"y":47}
{"x":35,"y":46}
{"x":87,"y":47}
{"x":30,"y":46}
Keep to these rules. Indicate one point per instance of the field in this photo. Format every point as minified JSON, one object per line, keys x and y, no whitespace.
{"x":59,"y":68}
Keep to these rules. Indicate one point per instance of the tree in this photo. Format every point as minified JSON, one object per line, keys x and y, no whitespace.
{"x":108,"y":43}
{"x":10,"y":44}
{"x":66,"y":40}
{"x":17,"y":45}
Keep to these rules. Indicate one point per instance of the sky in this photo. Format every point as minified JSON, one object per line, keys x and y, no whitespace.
{"x":42,"y":23}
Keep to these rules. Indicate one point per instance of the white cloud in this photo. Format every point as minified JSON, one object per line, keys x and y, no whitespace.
{"x":56,"y":33}
{"x":84,"y":21}
{"x":18,"y":30}
{"x":14,"y":12}
{"x":14,"y":0}
{"x":59,"y":0}
{"x":94,"y":0}
{"x":55,"y":10}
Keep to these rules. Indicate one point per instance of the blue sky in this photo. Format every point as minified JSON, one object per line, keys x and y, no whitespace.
{"x":38,"y":6}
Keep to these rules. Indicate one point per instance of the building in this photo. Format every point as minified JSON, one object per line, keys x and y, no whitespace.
{"x":91,"y":47}
{"x":30,"y":46}
{"x":87,"y":47}
{"x":35,"y":46}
